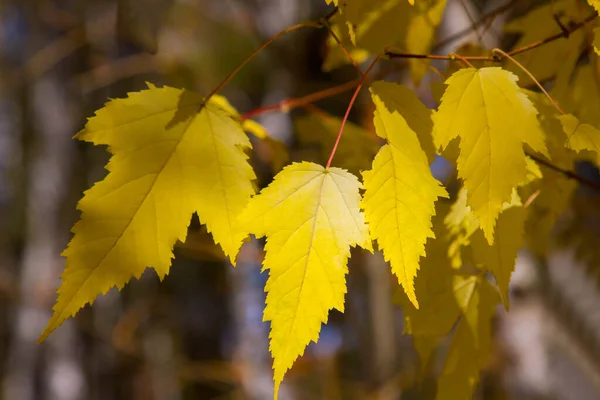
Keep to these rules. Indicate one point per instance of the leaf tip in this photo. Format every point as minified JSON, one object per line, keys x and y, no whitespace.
{"x":50,"y":327}
{"x":410,"y":292}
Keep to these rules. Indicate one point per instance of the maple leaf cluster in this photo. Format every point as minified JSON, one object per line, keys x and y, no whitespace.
{"x":175,"y":153}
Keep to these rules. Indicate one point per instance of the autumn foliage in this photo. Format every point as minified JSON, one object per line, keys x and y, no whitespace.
{"x":513,"y":145}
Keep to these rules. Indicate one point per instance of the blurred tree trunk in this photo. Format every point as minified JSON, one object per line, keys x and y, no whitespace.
{"x":54,"y":368}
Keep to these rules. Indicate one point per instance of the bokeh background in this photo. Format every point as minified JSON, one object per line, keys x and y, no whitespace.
{"x":198,"y":334}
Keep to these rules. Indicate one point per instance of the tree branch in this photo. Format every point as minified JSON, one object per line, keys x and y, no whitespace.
{"x":482,"y":20}
{"x":568,"y":173}
{"x":311,"y":24}
{"x":498,"y":58}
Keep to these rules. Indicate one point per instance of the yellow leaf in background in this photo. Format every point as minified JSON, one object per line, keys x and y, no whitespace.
{"x":476,"y":299}
{"x":278,"y":153}
{"x":335,"y":2}
{"x":310,"y":216}
{"x":355,"y":12}
{"x":400,"y":193}
{"x":469,"y":246}
{"x":580,"y":136}
{"x":461,"y":224}
{"x":579,"y":233}
{"x":471,"y":344}
{"x":375,"y":25}
{"x":546,"y":61}
{"x":169,"y":160}
{"x":438,"y":309}
{"x":336,"y":56}
{"x":421,"y":34}
{"x":584,"y":95}
{"x":500,"y":258}
{"x":494,"y":119}
{"x":255,"y":128}
{"x":596,"y":43}
{"x":356,"y":149}
{"x":549,"y":197}
{"x":401,"y":99}
{"x":533,"y":172}
{"x":425,"y":346}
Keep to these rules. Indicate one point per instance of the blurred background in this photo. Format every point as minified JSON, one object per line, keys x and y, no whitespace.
{"x":198,"y":334}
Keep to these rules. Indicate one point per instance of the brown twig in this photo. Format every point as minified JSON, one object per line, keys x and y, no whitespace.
{"x":289,"y":104}
{"x":473,"y":21}
{"x":568,"y":173}
{"x":467,"y":31}
{"x":310,"y":24}
{"x":257,"y":51}
{"x":461,"y":58}
{"x":572,"y":28}
{"x":341,"y":46}
{"x":518,"y":64}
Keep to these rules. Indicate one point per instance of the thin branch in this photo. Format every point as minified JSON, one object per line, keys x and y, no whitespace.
{"x":339,"y":136}
{"x":310,"y":24}
{"x":473,"y":21}
{"x":568,"y":173}
{"x":461,"y":58}
{"x":260,"y":48}
{"x":481,"y":21}
{"x":289,"y":104}
{"x":562,"y":27}
{"x":531,"y":46}
{"x":293,"y":103}
{"x":330,"y":14}
{"x":518,"y":64}
{"x":341,"y":45}
{"x":572,"y":28}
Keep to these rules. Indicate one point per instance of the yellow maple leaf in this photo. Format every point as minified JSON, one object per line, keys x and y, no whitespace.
{"x":581,"y":137}
{"x":425,"y":347}
{"x":500,"y":258}
{"x":310,"y":216}
{"x":401,"y":99}
{"x":579,"y":233}
{"x":469,"y":246}
{"x":559,"y":56}
{"x":549,"y":197}
{"x":474,"y":294}
{"x":494,"y":119}
{"x":169,"y":161}
{"x":336,"y":56}
{"x":461,"y":224}
{"x":372,"y":26}
{"x":596,"y":42}
{"x":400,"y":193}
{"x":471,"y":342}
{"x":438,"y":309}
{"x":355,"y":151}
{"x":421,"y":33}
